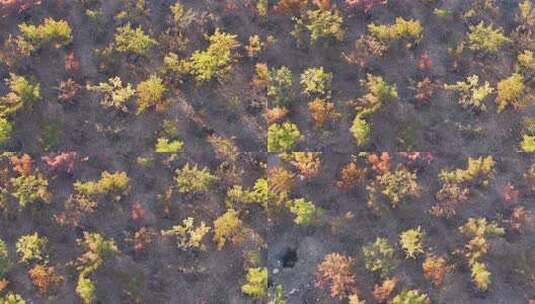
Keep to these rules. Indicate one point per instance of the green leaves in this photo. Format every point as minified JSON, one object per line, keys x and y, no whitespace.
{"x":22,"y":92}
{"x":56,"y":33}
{"x":150,"y":94}
{"x":193,"y":179}
{"x":316,"y":81}
{"x":214,"y":62}
{"x":257,"y":282}
{"x":282,"y":137}
{"x":135,"y":41}
{"x":483,"y":37}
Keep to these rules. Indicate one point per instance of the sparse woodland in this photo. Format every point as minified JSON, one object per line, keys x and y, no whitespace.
{"x":267,"y":151}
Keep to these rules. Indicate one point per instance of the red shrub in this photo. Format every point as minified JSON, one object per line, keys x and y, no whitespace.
{"x":64,"y":161}
{"x":71,"y":63}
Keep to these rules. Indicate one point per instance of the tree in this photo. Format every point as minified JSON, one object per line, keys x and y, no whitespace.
{"x":28,"y":189}
{"x":411,"y":297}
{"x":193,"y":179}
{"x":481,"y":276}
{"x":411,"y":242}
{"x":97,"y":250}
{"x":528,"y":143}
{"x":408,"y":30}
{"x":483,"y":37}
{"x":257,"y":283}
{"x":305,"y":212}
{"x":227,"y":227}
{"x":323,"y":23}
{"x":86,"y":290}
{"x":360,"y":129}
{"x":22,"y":92}
{"x":282,"y":137}
{"x":12,"y":298}
{"x":379,"y":257}
{"x":434,"y":268}
{"x":164,"y":145}
{"x":135,"y":41}
{"x":335,"y":272}
{"x":399,"y":184}
{"x":44,"y":277}
{"x":215,"y":61}
{"x":31,"y":247}
{"x":322,"y":111}
{"x":279,"y":85}
{"x":55,"y":33}
{"x":316,"y":81}
{"x":5,"y":130}
{"x":112,"y":184}
{"x":511,"y":92}
{"x":150,"y":94}
{"x":350,"y":175}
{"x":471,"y":94}
{"x":114,"y":93}
{"x":187,"y":235}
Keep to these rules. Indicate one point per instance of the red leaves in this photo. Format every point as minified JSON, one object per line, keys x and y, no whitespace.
{"x":380,"y":163}
{"x":22,"y":165}
{"x":72,"y":64}
{"x":64,"y":161}
{"x":425,"y":63}
{"x":138,"y":212}
{"x":508,"y":194}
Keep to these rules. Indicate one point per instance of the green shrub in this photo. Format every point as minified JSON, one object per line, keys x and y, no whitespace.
{"x":410,"y":30}
{"x":411,"y":242}
{"x":484,"y":38}
{"x":86,"y":290}
{"x":379,"y":257}
{"x":472,"y":95}
{"x":528,"y":143}
{"x":479,"y":172}
{"x":257,"y":283}
{"x":480,"y":276}
{"x":510,"y":91}
{"x":187,"y":235}
{"x":316,"y":81}
{"x":323,"y":23}
{"x":216,"y":60}
{"x":150,"y":94}
{"x":164,"y":145}
{"x":12,"y":298}
{"x":114,"y":93}
{"x":280,"y":85}
{"x":411,"y":297}
{"x":282,"y":137}
{"x":28,"y":189}
{"x":56,"y":33}
{"x":31,"y":248}
{"x":135,"y":41}
{"x":5,"y":130}
{"x":109,"y":183}
{"x":305,"y":212}
{"x":360,"y":129}
{"x":97,"y":250}
{"x":379,"y":91}
{"x":398,"y":185}
{"x":193,"y":179}
{"x":22,"y":92}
